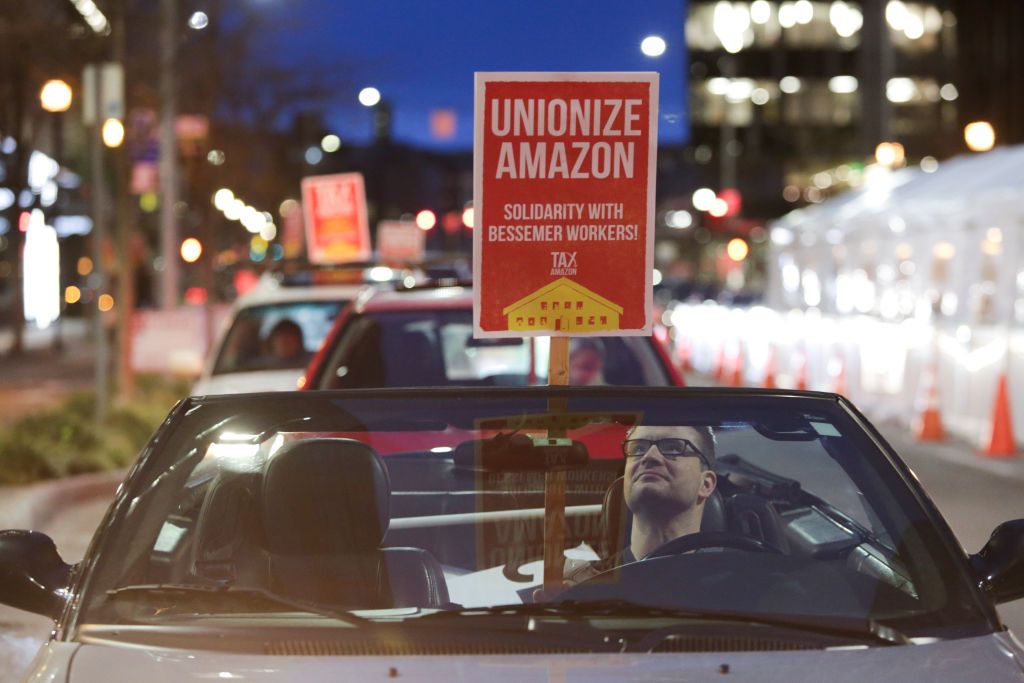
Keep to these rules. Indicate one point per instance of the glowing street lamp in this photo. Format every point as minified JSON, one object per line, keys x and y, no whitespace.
{"x":369,"y":97}
{"x":191,"y":250}
{"x":426,"y":220}
{"x":653,"y":46}
{"x":979,"y":136}
{"x":737,"y":249}
{"x":112,"y":133}
{"x":55,"y":96}
{"x":331,"y":143}
{"x":889,"y":154}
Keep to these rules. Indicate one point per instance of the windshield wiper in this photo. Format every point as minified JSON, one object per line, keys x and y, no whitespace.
{"x":188,"y":591}
{"x":856,"y":629}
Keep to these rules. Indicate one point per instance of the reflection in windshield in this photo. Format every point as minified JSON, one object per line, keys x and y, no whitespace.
{"x":396,"y":508}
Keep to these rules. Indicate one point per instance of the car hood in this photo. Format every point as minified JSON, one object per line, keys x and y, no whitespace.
{"x":244,"y":382}
{"x":990,"y":658}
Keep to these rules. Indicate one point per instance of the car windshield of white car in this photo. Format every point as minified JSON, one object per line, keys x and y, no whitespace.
{"x":499,"y":508}
{"x":275,"y":336}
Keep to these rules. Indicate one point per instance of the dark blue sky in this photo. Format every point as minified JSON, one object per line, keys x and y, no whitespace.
{"x":422,"y":54}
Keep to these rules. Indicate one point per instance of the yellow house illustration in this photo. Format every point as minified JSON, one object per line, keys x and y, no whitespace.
{"x":563,"y":306}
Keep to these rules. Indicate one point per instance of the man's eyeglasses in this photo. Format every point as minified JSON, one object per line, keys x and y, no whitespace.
{"x":671,"y":448}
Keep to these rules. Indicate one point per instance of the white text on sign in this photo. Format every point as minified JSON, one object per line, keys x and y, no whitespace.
{"x":575,"y":118}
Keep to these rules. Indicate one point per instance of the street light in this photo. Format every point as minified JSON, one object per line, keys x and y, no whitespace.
{"x":191,"y":250}
{"x":426,"y":220}
{"x":55,"y":96}
{"x":330,"y":143}
{"x":737,"y":249}
{"x":979,"y":136}
{"x":112,"y":133}
{"x":889,"y":154}
{"x":653,"y":46}
{"x":369,"y":97}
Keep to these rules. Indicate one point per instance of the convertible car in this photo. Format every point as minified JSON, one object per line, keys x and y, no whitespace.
{"x":467,"y":534}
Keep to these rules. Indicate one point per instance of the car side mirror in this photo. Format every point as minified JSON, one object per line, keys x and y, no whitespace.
{"x":1000,"y":564}
{"x":33,"y":577}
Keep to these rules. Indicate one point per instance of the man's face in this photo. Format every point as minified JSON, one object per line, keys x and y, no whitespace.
{"x":286,"y":344}
{"x":662,"y":485}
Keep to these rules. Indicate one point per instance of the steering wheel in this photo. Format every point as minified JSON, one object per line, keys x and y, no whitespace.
{"x":710,"y":539}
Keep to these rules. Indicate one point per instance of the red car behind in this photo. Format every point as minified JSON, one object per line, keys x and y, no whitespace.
{"x":424,"y":337}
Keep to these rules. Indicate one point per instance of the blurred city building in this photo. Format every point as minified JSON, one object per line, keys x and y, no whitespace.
{"x":789,"y":100}
{"x":990,"y":64}
{"x":794,"y":102}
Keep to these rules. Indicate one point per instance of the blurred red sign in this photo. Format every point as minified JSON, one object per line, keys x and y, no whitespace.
{"x":733,"y":201}
{"x":442,"y":123}
{"x":245,"y":281}
{"x":192,"y":130}
{"x":564,"y":197}
{"x":145,"y":177}
{"x":400,"y":241}
{"x":334,"y":209}
{"x":292,"y":232}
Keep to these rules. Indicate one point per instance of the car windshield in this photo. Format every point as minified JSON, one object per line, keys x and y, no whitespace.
{"x":280,"y":336}
{"x":437,"y":348}
{"x":415,"y":507}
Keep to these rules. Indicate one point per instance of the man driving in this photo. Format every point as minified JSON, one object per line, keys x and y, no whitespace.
{"x":667,"y":481}
{"x":668,"y":478}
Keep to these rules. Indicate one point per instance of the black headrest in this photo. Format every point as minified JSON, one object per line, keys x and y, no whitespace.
{"x":617,"y":521}
{"x":325,"y":497}
{"x":227,"y":521}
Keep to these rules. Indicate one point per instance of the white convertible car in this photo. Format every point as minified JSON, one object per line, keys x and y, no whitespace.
{"x":486,"y":534}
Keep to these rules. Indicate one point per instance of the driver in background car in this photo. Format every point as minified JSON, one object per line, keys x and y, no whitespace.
{"x":667,"y":481}
{"x":586,"y":363}
{"x":286,"y":344}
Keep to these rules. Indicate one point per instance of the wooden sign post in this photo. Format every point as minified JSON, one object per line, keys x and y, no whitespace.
{"x":554,"y":482}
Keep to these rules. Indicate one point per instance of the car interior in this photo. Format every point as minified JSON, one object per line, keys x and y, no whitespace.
{"x":296,"y":524}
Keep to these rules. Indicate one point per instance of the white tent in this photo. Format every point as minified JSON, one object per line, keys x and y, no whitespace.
{"x":964,"y":187}
{"x":924,"y":275}
{"x":973,"y":203}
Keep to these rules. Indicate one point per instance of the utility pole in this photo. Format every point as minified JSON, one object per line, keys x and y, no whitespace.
{"x":99,"y":236}
{"x":168,"y":155}
{"x":125,"y":235}
{"x":727,"y":136}
{"x":876,"y":68}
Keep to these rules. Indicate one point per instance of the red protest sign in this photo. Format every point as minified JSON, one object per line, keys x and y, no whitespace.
{"x":400,"y":241}
{"x":334,"y":209}
{"x":563,"y":191}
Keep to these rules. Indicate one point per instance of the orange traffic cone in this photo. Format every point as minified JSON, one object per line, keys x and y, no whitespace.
{"x":718,"y":369}
{"x":928,"y":425}
{"x":736,"y":376}
{"x":769,"y":371}
{"x":801,"y":372}
{"x":1002,"y":443}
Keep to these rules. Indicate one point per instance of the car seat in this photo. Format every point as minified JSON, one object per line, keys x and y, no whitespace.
{"x":325,"y":510}
{"x":229,"y":545}
{"x":617,"y":520}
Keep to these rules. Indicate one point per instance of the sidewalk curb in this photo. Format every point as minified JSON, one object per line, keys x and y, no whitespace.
{"x":33,"y":506}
